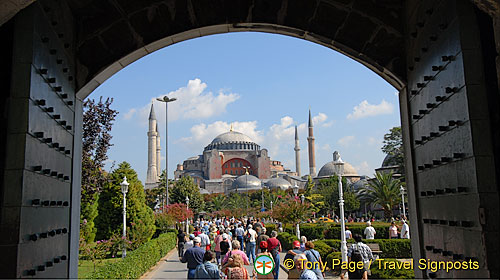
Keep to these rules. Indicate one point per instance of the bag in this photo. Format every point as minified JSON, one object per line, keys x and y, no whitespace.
{"x":247,"y":237}
{"x":237,"y":273}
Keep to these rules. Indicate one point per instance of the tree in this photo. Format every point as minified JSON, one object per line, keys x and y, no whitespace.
{"x":98,"y":118}
{"x":140,"y":218}
{"x":329,"y":190}
{"x":393,"y":146}
{"x":291,"y":211}
{"x":185,"y":187}
{"x":309,"y":186}
{"x":384,"y":190}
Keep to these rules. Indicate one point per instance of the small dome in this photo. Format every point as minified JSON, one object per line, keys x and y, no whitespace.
{"x":246,"y":183}
{"x":276,"y":183}
{"x":333,"y":168}
{"x":390,"y":160}
{"x":359,"y":184}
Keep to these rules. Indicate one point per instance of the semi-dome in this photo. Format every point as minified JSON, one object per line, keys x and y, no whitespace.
{"x":232,"y":140}
{"x":246,"y":183}
{"x":276,"y":183}
{"x":336,"y":167}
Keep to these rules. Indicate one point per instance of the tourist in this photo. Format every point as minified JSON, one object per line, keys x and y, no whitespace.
{"x":300,"y":261}
{"x":358,"y":273}
{"x":225,"y":246}
{"x":364,"y":251}
{"x":348,"y":233}
{"x":181,"y":239}
{"x":196,"y":231}
{"x":205,"y":241}
{"x":393,"y":231}
{"x":236,"y":251}
{"x":189,"y":242}
{"x":217,"y":249}
{"x":251,"y":236}
{"x":405,"y":230}
{"x":262,"y":237}
{"x":314,"y":257}
{"x":264,"y":252}
{"x":239,"y":231}
{"x":274,"y":246}
{"x":207,"y":270}
{"x":303,"y":241}
{"x":369,"y":231}
{"x":293,"y":273}
{"x":234,"y":269}
{"x":194,"y":257}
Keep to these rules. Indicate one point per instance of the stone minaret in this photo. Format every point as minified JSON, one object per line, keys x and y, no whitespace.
{"x":152,"y":176}
{"x":310,"y":141}
{"x":158,"y":152}
{"x":297,"y":155}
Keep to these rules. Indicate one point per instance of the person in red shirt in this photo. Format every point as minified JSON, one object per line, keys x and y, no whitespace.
{"x":274,"y":246}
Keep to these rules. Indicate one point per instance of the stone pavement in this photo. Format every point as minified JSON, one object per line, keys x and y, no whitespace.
{"x":169,"y":267}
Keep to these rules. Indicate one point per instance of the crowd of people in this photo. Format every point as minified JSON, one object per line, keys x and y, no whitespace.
{"x":220,"y":248}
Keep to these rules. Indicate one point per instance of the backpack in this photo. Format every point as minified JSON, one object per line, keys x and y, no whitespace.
{"x":247,"y":237}
{"x":237,"y":273}
{"x":356,"y":253}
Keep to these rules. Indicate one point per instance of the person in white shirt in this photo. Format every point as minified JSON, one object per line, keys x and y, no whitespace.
{"x":405,"y":230}
{"x":370,"y":231}
{"x":251,"y":243}
{"x":348,"y":233}
{"x":205,"y":241}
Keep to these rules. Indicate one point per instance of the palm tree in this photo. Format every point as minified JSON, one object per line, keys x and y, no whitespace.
{"x":384,"y":190}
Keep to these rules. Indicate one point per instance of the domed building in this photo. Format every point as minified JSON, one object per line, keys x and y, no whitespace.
{"x":245,"y":183}
{"x":229,"y":155}
{"x":338,"y":166}
{"x":277,"y":183}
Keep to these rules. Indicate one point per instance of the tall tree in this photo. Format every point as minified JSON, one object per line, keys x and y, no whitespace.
{"x":329,"y":190}
{"x":183,"y":187}
{"x":384,"y":190}
{"x":140,"y":218}
{"x":393,"y":146}
{"x":98,"y":118}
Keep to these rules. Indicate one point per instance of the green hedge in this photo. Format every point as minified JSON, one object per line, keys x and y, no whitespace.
{"x":329,"y":260}
{"x":333,"y":232}
{"x":389,"y":273}
{"x":138,"y":261}
{"x":391,"y":248}
{"x":286,"y":239}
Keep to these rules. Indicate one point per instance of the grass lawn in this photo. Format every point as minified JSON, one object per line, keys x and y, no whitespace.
{"x":85,"y":267}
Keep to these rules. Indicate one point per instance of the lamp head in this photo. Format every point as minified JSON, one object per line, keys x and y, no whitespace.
{"x":166,"y":99}
{"x":124,"y":185}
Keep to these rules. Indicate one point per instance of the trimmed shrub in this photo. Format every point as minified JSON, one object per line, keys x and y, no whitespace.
{"x":329,"y":260}
{"x":269,"y":228}
{"x":333,"y":232}
{"x":391,"y":248}
{"x":322,"y":248}
{"x":286,"y":240}
{"x":138,"y":261}
{"x":393,"y":273}
{"x":313,"y":231}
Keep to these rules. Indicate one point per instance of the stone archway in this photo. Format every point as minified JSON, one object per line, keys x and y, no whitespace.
{"x":438,"y":54}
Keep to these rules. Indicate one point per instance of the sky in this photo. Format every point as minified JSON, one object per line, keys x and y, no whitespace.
{"x":263,"y":84}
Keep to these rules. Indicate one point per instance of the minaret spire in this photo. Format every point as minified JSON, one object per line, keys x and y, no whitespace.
{"x":158,"y":153}
{"x":297,"y":154}
{"x":310,"y":140}
{"x":152,"y":175}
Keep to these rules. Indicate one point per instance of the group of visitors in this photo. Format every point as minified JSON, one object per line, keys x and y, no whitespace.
{"x":221,"y":248}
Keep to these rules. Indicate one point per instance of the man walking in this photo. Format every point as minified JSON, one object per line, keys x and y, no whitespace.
{"x":369,"y":231}
{"x":194,"y":257}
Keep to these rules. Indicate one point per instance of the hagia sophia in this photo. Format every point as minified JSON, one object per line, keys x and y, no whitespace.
{"x":233,"y":162}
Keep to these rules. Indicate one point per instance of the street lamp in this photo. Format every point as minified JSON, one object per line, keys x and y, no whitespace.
{"x":124,"y":185}
{"x":166,"y":100}
{"x":402,"y":190}
{"x":295,"y":189}
{"x":246,"y":183}
{"x":271,"y":205}
{"x":302,"y":198}
{"x":187,"y":219}
{"x":343,"y":242}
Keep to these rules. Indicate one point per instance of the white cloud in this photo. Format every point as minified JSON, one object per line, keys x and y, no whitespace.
{"x":372,"y":141}
{"x":326,"y":147}
{"x":193,"y":102}
{"x":364,"y":169}
{"x":365,"y":109}
{"x":346,"y":141}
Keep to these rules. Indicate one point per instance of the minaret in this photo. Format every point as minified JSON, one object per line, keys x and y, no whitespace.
{"x":297,"y":155}
{"x":310,"y":140}
{"x":158,"y":152}
{"x":152,"y":176}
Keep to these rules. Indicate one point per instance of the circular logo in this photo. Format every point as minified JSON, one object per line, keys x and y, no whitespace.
{"x":264,"y":264}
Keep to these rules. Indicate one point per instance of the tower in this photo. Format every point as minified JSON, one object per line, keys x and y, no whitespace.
{"x":152,"y":175}
{"x":297,"y":155}
{"x":158,"y":153}
{"x":310,"y":141}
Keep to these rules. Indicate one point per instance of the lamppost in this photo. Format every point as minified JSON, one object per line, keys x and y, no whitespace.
{"x":166,"y":100}
{"x":262,"y":197}
{"x":246,"y":184}
{"x":402,"y":190}
{"x":295,"y":189}
{"x":271,"y":205}
{"x":124,"y":185}
{"x":302,"y":198}
{"x":187,"y":219}
{"x":343,"y":242}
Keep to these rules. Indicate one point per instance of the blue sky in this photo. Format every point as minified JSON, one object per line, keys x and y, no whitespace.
{"x":262,"y":83}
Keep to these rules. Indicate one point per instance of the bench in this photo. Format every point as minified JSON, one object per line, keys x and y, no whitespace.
{"x":373,"y":246}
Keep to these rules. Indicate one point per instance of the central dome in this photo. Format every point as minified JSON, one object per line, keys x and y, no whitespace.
{"x":232,"y":140}
{"x":231,"y":137}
